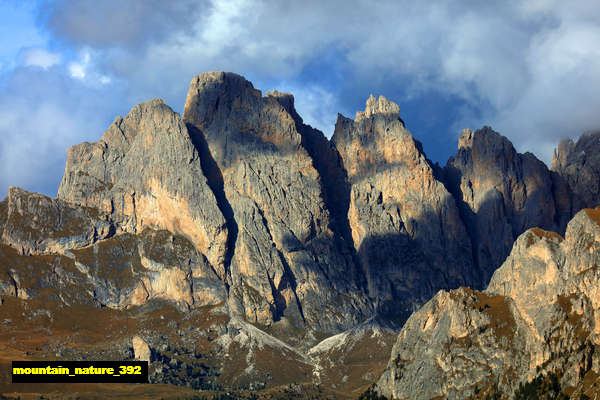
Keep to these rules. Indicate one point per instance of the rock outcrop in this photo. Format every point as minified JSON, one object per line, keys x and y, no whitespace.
{"x":36,"y":224}
{"x":405,"y":225}
{"x":118,"y":271}
{"x":538,"y":316}
{"x":238,"y":248}
{"x":141,"y":350}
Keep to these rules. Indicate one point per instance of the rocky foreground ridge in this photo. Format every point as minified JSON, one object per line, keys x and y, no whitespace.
{"x":242,"y":249}
{"x":538,"y":317}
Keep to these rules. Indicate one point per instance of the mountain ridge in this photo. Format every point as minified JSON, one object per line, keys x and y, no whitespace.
{"x":238,"y":211}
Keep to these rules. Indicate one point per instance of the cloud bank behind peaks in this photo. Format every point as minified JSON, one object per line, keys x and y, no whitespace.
{"x":42,"y":113}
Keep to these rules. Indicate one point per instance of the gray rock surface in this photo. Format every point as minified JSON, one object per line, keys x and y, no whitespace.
{"x":146,"y":172}
{"x":404,"y":224}
{"x":286,"y":266}
{"x":578,"y":163}
{"x":114,"y":270}
{"x":500,"y":193}
{"x":236,"y":238}
{"x":36,"y":224}
{"x":538,"y":315}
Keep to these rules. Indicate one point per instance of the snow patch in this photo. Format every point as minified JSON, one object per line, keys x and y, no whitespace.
{"x":348,"y":338}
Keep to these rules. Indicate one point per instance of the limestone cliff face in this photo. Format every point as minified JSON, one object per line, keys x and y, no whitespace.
{"x":35,"y":224}
{"x":578,"y":163}
{"x":501,"y":193}
{"x":404,"y":224}
{"x":114,"y":270}
{"x":286,"y":265}
{"x":539,"y":314}
{"x":146,"y":172}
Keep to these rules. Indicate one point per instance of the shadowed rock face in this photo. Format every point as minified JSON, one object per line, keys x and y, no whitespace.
{"x":404,"y":224}
{"x":146,"y":172}
{"x":500,"y":194}
{"x":286,"y":264}
{"x":579,"y":165}
{"x":540,"y":314}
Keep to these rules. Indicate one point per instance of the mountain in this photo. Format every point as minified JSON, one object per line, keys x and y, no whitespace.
{"x":284,"y":264}
{"x":238,"y":249}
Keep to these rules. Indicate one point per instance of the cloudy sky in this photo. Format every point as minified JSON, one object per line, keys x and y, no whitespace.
{"x":530,"y":69}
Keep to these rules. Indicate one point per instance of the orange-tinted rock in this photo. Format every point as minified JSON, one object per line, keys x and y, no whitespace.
{"x":146,"y":172}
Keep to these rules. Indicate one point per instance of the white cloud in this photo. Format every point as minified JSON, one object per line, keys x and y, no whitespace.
{"x":78,"y":68}
{"x":529,"y":69}
{"x":42,"y":113}
{"x":39,"y":57}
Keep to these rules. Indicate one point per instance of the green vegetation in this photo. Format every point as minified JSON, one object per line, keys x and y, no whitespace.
{"x":371,"y":394}
{"x":546,"y":387}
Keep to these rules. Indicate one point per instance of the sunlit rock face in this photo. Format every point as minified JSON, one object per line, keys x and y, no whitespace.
{"x":116,"y":270}
{"x":286,"y":264}
{"x":146,"y":172}
{"x":237,"y":247}
{"x":405,"y":225}
{"x":539,"y":315}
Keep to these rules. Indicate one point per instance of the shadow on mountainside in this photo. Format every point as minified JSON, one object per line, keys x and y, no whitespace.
{"x":403,"y":271}
{"x":214,"y":179}
{"x":485,"y":226}
{"x":336,"y":190}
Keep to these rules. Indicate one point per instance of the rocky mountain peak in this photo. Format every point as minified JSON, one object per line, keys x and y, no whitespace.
{"x":486,"y":143}
{"x":215,"y":91}
{"x":397,"y":206}
{"x":146,"y":172}
{"x":243,"y":234}
{"x":286,"y":266}
{"x":578,"y":163}
{"x":378,"y":106}
{"x":227,"y":103}
{"x":284,"y":98}
{"x":496,"y":186}
{"x":376,"y":138}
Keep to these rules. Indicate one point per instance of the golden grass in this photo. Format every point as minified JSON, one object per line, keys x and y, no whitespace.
{"x":547,"y":234}
{"x":594,"y":214}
